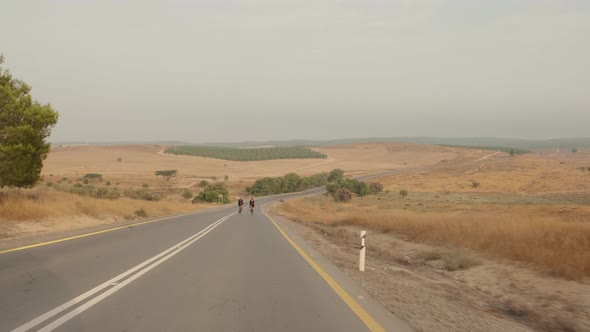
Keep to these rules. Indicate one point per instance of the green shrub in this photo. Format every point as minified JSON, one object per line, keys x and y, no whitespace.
{"x":85,"y":181}
{"x":187,"y":194}
{"x":403,"y":193}
{"x":49,"y":184}
{"x":342,"y":195}
{"x":332,"y":188}
{"x":574,"y":150}
{"x":212,"y":192}
{"x":64,"y":179}
{"x":145,"y":185}
{"x":475,"y":184}
{"x":203,"y":183}
{"x":335,"y":175}
{"x":226,"y":178}
{"x":108,"y":183}
{"x":141,"y":213}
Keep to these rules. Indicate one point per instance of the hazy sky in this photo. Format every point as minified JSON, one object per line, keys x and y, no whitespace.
{"x":218,"y":70}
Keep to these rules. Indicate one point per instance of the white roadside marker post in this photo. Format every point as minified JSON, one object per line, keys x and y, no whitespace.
{"x":363,"y":249}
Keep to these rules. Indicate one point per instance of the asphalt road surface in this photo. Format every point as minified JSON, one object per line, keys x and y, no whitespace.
{"x":209,"y":271}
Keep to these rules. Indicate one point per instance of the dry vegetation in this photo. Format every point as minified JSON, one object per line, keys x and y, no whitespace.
{"x":128,"y":171}
{"x":529,"y":208}
{"x":550,"y":242}
{"x":442,"y":289}
{"x":47,"y":203}
{"x":41,"y":210}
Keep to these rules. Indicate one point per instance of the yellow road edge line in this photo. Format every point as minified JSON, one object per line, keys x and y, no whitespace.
{"x":369,"y":321}
{"x":89,"y":234}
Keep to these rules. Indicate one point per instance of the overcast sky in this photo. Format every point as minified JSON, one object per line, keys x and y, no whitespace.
{"x":219,"y":70}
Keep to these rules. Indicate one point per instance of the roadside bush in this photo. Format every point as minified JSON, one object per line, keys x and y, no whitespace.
{"x":475,"y":184}
{"x":342,"y":195}
{"x":356,"y":186}
{"x":145,"y":185}
{"x":287,"y":184}
{"x":108,"y":183}
{"x":211,"y":194}
{"x":203,"y":183}
{"x":187,"y":194}
{"x":49,"y":184}
{"x":375,"y":187}
{"x":226,"y":178}
{"x":141,"y":213}
{"x":403,"y":193}
{"x":85,"y":181}
{"x":336,"y":175}
{"x":332,"y":188}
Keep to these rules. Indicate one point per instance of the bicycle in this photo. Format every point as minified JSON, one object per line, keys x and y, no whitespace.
{"x":251,"y":210}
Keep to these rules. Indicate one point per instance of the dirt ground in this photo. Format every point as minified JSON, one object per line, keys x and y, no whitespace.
{"x":443,"y":289}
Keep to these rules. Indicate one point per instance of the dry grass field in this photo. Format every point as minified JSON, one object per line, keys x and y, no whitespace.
{"x":129,"y":168}
{"x":530,"y":208}
{"x":138,"y":162}
{"x":509,"y":254}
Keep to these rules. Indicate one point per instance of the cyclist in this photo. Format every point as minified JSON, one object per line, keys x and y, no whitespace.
{"x":240,"y":205}
{"x":252,"y":205}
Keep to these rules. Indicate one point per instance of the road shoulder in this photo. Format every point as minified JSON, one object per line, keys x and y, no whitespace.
{"x":380,"y":314}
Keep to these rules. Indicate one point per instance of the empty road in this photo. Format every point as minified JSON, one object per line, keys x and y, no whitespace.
{"x":209,"y":271}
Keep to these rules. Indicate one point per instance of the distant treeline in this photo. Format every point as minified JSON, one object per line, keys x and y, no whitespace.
{"x":511,"y":151}
{"x":247,"y":154}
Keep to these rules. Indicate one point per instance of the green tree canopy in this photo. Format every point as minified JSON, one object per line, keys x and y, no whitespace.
{"x":335,"y":175}
{"x":24,"y":126}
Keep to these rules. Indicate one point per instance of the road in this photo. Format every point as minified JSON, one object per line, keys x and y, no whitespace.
{"x":209,"y":271}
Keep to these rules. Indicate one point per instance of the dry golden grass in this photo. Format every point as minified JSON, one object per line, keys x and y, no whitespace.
{"x":45,"y":203}
{"x":550,"y":242}
{"x":528,"y":174}
{"x":140,"y":161}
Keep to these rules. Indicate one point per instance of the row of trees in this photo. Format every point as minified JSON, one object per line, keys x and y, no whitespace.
{"x":247,"y":154}
{"x":292,"y":183}
{"x":25,"y":125}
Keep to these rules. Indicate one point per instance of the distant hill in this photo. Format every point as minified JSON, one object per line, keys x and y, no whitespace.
{"x":459,"y":141}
